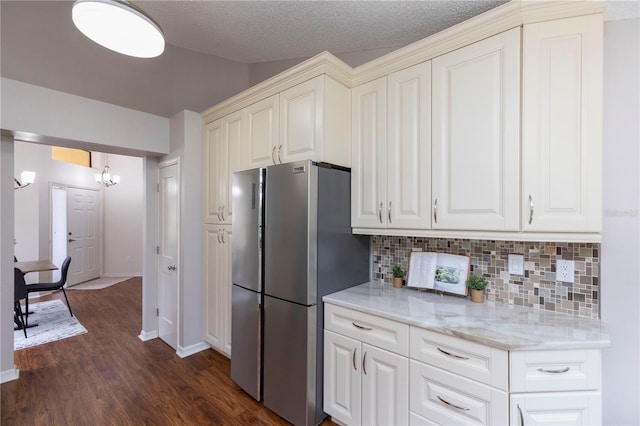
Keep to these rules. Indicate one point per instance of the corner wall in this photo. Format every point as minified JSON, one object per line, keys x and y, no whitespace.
{"x":621,"y":224}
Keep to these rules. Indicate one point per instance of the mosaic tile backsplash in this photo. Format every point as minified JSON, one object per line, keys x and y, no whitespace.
{"x":537,"y":288}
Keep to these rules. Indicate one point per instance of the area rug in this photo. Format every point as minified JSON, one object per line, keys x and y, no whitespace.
{"x":98,"y":283}
{"x":54,"y":323}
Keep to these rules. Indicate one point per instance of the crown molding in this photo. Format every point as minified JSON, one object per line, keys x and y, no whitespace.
{"x":502,"y":18}
{"x":323,"y":63}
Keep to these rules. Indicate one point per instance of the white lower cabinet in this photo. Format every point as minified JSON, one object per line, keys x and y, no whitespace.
{"x":446,"y":398}
{"x":379,"y":371}
{"x":556,"y":408}
{"x":217,"y":279}
{"x":364,"y":384}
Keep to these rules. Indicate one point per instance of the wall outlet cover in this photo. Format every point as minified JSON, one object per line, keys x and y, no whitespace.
{"x":565,"y":271}
{"x":516,"y":264}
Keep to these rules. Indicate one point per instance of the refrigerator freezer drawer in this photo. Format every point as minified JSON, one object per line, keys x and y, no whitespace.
{"x":290,"y":361}
{"x":246,"y":340}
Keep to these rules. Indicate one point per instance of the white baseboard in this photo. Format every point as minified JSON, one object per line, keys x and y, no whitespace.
{"x":192,"y":349}
{"x":119,"y":275}
{"x":148,"y":335}
{"x":9,"y":375}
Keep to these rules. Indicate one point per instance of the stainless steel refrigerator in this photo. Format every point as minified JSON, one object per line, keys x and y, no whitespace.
{"x":308,"y":252}
{"x":247,"y":273}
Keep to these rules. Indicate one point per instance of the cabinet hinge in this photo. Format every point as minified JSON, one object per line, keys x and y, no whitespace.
{"x":158,"y":188}
{"x":157,"y":312}
{"x":157,"y":249}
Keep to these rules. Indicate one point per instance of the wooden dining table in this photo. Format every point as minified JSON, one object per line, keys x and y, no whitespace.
{"x":27,"y":266}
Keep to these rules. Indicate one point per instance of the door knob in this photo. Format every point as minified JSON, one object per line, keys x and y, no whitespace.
{"x":71,"y":240}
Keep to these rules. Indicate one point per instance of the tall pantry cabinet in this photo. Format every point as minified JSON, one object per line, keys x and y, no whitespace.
{"x":298,"y":115}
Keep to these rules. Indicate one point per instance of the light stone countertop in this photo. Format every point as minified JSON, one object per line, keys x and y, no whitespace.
{"x":494,"y":324}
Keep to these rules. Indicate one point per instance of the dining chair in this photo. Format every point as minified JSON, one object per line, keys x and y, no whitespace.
{"x":19,"y":293}
{"x":58,"y":285}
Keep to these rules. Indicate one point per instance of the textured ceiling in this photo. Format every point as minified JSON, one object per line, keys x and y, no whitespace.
{"x":258,"y":31}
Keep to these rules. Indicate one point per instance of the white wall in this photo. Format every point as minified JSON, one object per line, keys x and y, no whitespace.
{"x":123,"y":212}
{"x":186,"y":144}
{"x":68,"y":120}
{"x":621,"y":226}
{"x":7,"y":367}
{"x":78,"y":122}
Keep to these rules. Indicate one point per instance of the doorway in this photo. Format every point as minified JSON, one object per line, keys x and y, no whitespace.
{"x":75,"y":231}
{"x":169,"y":243}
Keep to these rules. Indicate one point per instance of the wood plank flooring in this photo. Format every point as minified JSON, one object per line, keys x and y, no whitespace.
{"x":109,"y":376}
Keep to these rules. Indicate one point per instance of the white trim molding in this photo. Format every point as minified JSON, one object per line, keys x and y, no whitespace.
{"x":145,"y":336}
{"x":192,"y":349}
{"x":9,"y":375}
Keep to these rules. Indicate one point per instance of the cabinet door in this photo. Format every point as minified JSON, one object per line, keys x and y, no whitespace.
{"x":409,"y":148}
{"x":261,"y":132}
{"x":224,"y":282}
{"x":560,"y":408}
{"x":233,"y":138}
{"x":214,"y":170}
{"x":301,"y":121}
{"x":385,"y":387}
{"x":217,"y":287}
{"x":213,"y":259}
{"x":342,"y":379}
{"x":368,"y":154}
{"x":476,"y":136}
{"x":562,"y":125}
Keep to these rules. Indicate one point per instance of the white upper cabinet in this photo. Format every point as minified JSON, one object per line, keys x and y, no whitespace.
{"x":215,"y":172}
{"x":369,"y":154}
{"x":391,"y":166}
{"x":314,"y":122}
{"x":562,"y":125}
{"x":476,"y":136}
{"x":232,"y":127}
{"x":409,"y":148}
{"x":261,"y":133}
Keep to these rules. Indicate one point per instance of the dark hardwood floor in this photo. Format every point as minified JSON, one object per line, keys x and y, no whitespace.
{"x":109,"y":376}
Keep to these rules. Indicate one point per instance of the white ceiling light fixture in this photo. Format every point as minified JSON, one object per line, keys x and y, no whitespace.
{"x":106,"y":178}
{"x":120,"y":26}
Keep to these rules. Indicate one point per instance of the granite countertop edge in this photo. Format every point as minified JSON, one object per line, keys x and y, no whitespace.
{"x":502,"y":326}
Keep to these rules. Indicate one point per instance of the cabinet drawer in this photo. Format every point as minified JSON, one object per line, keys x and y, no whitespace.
{"x":478,"y":362}
{"x":556,"y":408}
{"x":446,"y":398}
{"x":381,"y":332}
{"x":535,"y":371}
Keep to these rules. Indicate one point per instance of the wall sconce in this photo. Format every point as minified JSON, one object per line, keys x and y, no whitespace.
{"x":26,"y":179}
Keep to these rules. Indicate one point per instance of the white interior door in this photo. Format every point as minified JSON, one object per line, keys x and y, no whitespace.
{"x":83,"y":232}
{"x":168,"y":264}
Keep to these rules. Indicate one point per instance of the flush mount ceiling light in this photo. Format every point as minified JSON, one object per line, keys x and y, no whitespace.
{"x":120,"y":26}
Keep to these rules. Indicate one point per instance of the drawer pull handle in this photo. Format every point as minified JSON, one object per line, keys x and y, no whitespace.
{"x":355,"y":351}
{"x":452,"y":405}
{"x":521,"y":415}
{"x":453,"y":355}
{"x":558,"y":371}
{"x":361,"y":327}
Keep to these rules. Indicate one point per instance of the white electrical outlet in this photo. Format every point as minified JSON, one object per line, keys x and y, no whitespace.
{"x":516,"y":264}
{"x":565,"y":270}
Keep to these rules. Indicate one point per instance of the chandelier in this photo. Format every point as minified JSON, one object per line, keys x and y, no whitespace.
{"x":106,"y":178}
